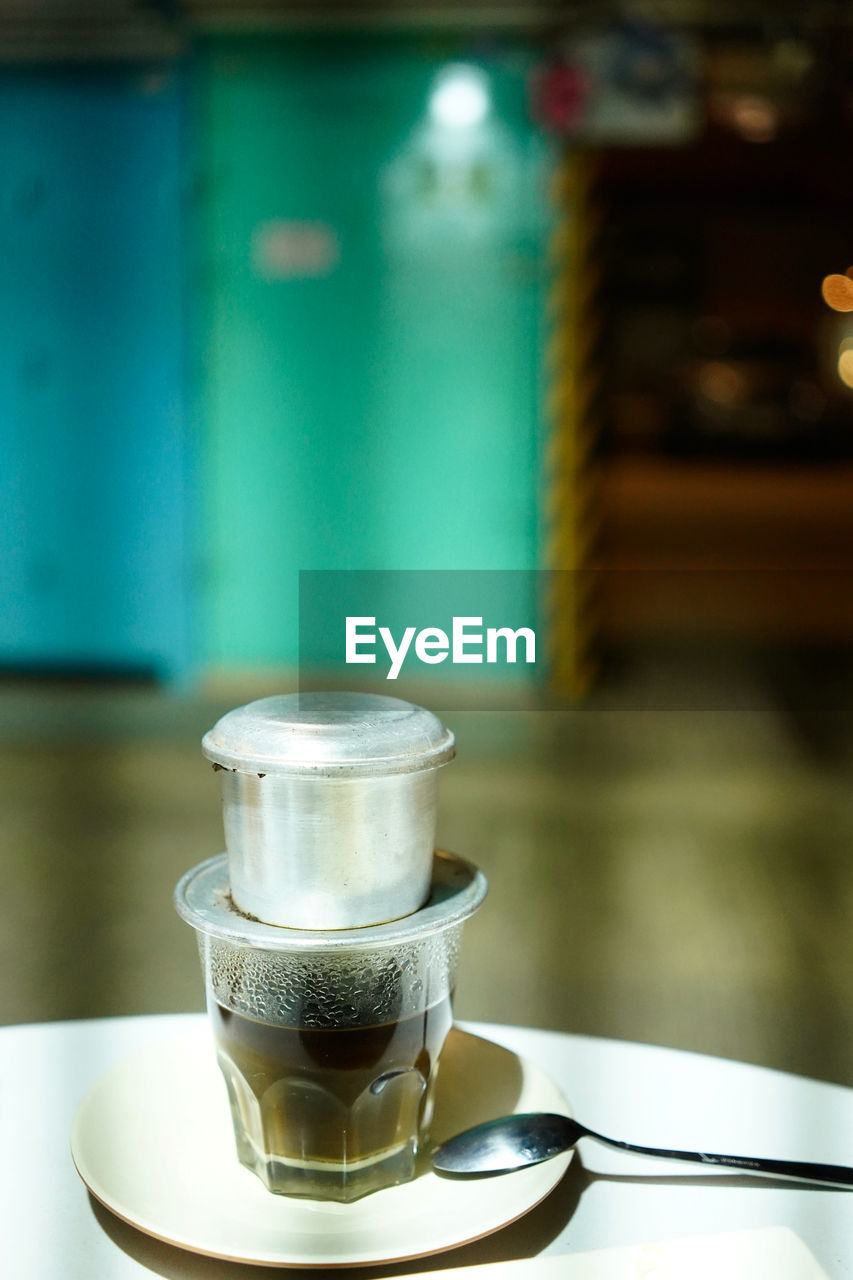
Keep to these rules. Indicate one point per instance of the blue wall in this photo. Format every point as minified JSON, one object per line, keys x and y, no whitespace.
{"x":93,"y":520}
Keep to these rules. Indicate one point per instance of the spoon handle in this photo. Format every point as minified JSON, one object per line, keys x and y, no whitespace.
{"x":799,"y":1170}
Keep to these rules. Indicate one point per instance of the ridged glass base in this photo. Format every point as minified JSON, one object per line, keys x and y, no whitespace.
{"x":324,"y":1180}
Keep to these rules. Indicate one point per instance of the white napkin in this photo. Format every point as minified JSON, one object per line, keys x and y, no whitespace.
{"x":768,"y":1253}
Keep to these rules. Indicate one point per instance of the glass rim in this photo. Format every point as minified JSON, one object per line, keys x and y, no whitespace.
{"x":203,"y":899}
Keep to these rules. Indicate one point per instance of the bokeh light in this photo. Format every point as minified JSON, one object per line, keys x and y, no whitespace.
{"x":845,"y":362}
{"x":837,"y":292}
{"x":460,"y":98}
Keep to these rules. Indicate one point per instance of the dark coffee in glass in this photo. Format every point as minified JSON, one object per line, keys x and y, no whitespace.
{"x":344,"y":1107}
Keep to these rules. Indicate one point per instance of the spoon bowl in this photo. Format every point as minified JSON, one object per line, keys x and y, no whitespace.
{"x":498,"y":1146}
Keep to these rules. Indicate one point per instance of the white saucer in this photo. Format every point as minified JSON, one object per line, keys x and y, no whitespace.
{"x":153,"y":1142}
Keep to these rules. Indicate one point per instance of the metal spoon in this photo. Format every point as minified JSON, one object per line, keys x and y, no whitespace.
{"x":514,"y":1141}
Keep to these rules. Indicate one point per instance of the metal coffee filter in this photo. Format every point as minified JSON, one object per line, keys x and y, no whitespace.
{"x":329,"y":805}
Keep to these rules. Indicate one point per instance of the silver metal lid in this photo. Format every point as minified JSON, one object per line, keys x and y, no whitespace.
{"x":203,"y":899}
{"x":337,"y":735}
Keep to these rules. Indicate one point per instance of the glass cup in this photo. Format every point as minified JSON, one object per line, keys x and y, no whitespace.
{"x":330,"y":1042}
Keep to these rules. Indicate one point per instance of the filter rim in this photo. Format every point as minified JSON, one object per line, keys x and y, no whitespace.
{"x":203,"y":899}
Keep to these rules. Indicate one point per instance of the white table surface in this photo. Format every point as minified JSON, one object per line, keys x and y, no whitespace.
{"x":51,"y":1229}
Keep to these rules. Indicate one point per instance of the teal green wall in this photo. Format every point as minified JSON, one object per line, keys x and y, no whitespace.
{"x":385,"y":414}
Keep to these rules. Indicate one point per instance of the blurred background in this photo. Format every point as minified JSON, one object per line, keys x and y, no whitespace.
{"x":519,"y":286}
